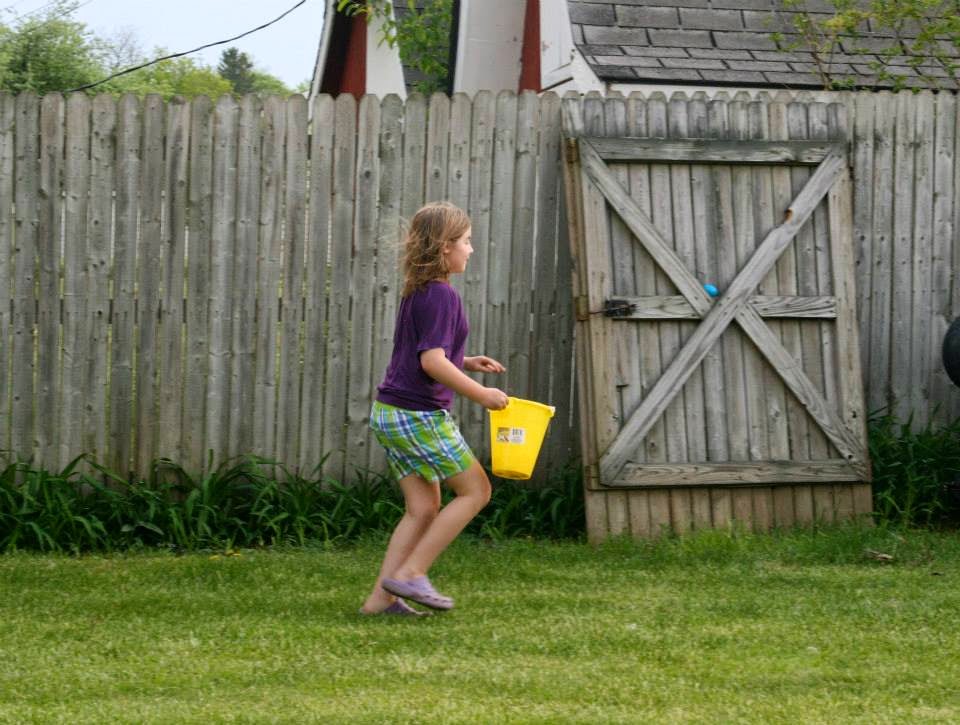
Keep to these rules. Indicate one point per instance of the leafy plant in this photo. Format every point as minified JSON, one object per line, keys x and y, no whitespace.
{"x":422,"y":35}
{"x":915,"y":472}
{"x":925,"y":33}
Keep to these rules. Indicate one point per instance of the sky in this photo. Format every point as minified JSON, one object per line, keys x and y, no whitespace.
{"x":287,"y":49}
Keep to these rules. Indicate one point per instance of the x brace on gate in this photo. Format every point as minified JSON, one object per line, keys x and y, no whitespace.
{"x":717,"y":315}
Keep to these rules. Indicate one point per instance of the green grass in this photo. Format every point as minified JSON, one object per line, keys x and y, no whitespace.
{"x":716,"y":627}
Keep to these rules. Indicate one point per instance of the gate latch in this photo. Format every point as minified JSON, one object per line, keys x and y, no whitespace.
{"x":618,"y":308}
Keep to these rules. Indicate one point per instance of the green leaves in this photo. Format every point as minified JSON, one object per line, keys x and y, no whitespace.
{"x":245,"y":502}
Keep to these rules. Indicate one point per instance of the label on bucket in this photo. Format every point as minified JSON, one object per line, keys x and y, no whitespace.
{"x":511,"y":435}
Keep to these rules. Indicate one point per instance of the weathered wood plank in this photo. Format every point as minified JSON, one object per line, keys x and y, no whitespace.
{"x":881,"y":260}
{"x":655,"y":307}
{"x":243,"y":343}
{"x":150,"y":252}
{"x":863,"y":160}
{"x":521,"y":272}
{"x":458,"y":192}
{"x":7,"y":281}
{"x":291,"y":303}
{"x":99,"y":233}
{"x":131,"y":126}
{"x":745,"y":235}
{"x":904,"y":251}
{"x":706,"y":151}
{"x":50,"y":206}
{"x":338,"y":292}
{"x":223,"y":221}
{"x":545,"y":359}
{"x":173,"y":238}
{"x":499,"y":247}
{"x":24,"y":264}
{"x":388,"y":275}
{"x":942,"y":390}
{"x":359,"y":438}
{"x":317,"y":278}
{"x":921,"y":307}
{"x":711,"y":473}
{"x":199,"y":243}
{"x":438,"y":140}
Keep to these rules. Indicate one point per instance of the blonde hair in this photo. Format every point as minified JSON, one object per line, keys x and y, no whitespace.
{"x":430,"y":229}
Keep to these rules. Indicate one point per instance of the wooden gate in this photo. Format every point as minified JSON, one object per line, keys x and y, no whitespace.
{"x":700,"y":410}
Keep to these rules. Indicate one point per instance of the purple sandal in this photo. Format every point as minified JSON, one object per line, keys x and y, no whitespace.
{"x":399,"y":607}
{"x":418,"y":590}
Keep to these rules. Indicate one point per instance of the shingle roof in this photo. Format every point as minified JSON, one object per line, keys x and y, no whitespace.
{"x":727,"y":42}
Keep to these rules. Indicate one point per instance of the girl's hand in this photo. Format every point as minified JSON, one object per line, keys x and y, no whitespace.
{"x":482,"y":364}
{"x":493,"y":399}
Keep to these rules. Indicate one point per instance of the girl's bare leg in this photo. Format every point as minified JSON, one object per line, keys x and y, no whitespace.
{"x":422,"y":501}
{"x":473,"y":493}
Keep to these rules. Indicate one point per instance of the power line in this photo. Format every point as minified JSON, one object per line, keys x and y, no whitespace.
{"x":186,"y":52}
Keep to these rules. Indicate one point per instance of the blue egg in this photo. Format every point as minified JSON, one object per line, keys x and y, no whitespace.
{"x":711,"y":290}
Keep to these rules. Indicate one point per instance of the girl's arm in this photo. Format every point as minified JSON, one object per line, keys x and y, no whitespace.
{"x":435,"y":364}
{"x":482,"y":364}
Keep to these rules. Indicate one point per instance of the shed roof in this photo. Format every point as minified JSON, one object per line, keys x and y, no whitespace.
{"x":729,"y":42}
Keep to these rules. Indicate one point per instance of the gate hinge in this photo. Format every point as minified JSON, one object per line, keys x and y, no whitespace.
{"x":582,"y":308}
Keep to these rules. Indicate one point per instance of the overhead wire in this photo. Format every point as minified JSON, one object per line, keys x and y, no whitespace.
{"x":186,"y":52}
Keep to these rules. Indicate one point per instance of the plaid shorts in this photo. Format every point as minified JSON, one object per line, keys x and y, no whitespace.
{"x":422,"y":442}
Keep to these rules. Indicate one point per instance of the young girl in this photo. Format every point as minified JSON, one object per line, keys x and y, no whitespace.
{"x":411,"y":413}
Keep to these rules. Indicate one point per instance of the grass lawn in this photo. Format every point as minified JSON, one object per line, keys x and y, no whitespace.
{"x":801,"y":627}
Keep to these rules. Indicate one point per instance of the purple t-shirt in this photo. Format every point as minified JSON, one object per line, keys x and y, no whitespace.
{"x":429,"y":318}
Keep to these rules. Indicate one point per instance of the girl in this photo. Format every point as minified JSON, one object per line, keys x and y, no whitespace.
{"x":411,"y":413}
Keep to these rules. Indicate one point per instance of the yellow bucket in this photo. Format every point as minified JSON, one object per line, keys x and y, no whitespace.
{"x":516,"y":433}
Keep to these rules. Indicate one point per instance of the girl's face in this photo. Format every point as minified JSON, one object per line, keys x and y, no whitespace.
{"x":458,"y":252}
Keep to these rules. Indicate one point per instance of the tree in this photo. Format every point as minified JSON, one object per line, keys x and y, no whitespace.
{"x":174,"y":77}
{"x":237,"y":67}
{"x":47,"y":53}
{"x":422,"y":35}
{"x":921,"y":35}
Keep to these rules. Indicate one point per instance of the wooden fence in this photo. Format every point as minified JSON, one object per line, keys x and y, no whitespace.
{"x":180,"y":278}
{"x":188,"y":278}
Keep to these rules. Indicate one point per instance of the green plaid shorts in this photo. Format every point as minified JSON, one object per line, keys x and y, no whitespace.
{"x":427,"y":443}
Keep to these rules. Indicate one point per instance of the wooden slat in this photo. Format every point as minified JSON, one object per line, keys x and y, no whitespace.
{"x":475,"y":279}
{"x":881,"y":260}
{"x":243,"y":342}
{"x":521,"y":272}
{"x":709,"y":473}
{"x":24,"y":264}
{"x":150,"y":254}
{"x":273,"y":130}
{"x":676,"y":307}
{"x":131,"y":178}
{"x":359,"y":438}
{"x":338,"y":292}
{"x":921,"y":363}
{"x":223,"y":226}
{"x":458,"y":192}
{"x":499,"y":248}
{"x":942,"y":390}
{"x":723,"y":271}
{"x":438,"y":139}
{"x":99,"y":232}
{"x":76,"y":201}
{"x":7,"y":156}
{"x":50,"y":206}
{"x":863,"y":158}
{"x":199,"y":250}
{"x":317,"y":278}
{"x":291,"y":303}
{"x":904,"y":200}
{"x":173,"y":239}
{"x":549,"y":286}
{"x":705,"y":151}
{"x":388,"y":277}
